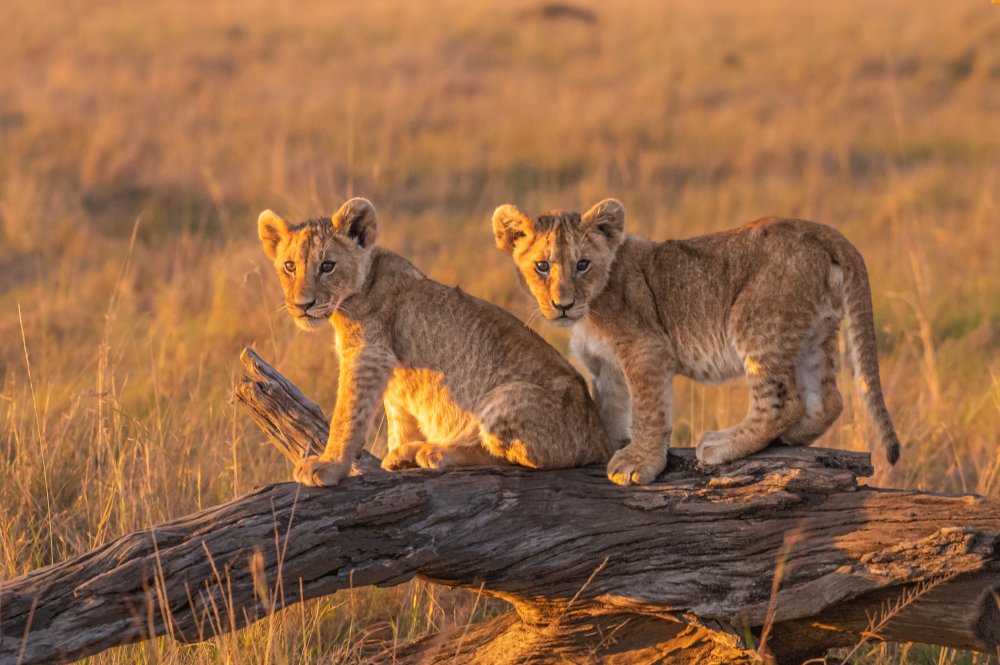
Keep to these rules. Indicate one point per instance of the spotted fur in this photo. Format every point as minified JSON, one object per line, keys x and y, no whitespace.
{"x":462,"y":381}
{"x":764,"y":300}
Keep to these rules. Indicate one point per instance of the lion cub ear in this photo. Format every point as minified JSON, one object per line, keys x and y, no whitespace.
{"x":357,"y":220}
{"x":272,"y":229}
{"x":510,"y":225}
{"x":608,"y":219}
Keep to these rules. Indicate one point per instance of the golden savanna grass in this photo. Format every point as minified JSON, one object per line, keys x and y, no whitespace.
{"x":140,"y":140}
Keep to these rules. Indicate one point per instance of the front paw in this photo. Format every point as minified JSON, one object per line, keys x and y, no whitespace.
{"x":715,"y":448}
{"x":632,"y":465}
{"x":315,"y":472}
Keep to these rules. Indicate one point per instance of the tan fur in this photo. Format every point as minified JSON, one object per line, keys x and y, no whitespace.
{"x":764,"y":300}
{"x":462,"y":381}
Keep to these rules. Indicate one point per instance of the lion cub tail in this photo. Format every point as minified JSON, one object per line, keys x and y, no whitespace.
{"x":863,"y":347}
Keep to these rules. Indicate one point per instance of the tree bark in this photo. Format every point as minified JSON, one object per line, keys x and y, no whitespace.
{"x":701,"y":567}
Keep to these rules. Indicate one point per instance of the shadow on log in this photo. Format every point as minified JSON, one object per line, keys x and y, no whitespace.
{"x":777,"y":557}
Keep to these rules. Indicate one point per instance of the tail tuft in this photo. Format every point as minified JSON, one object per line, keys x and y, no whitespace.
{"x":864,"y":353}
{"x":892,"y":450}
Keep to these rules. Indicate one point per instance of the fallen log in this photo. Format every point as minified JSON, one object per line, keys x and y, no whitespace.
{"x":777,"y":557}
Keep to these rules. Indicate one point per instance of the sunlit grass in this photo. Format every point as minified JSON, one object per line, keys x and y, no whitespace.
{"x":139,"y":143}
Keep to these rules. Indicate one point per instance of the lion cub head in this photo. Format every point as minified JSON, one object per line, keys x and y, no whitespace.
{"x":320,"y":262}
{"x":564,"y":258}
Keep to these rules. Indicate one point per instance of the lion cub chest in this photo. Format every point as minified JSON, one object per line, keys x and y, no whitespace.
{"x":425,"y":394}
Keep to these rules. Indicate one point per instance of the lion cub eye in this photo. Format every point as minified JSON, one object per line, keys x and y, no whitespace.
{"x":289,"y":267}
{"x":542,"y":267}
{"x":582,"y":265}
{"x":327,"y":266}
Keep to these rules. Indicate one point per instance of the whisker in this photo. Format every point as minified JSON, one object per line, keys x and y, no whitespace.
{"x":341,"y":308}
{"x":535,"y":315}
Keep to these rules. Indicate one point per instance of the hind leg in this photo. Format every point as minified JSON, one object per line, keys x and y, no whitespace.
{"x":402,"y":430}
{"x":816,"y":376}
{"x":448,"y":455}
{"x":431,"y":455}
{"x":539,"y":428}
{"x":773,"y":320}
{"x":409,"y":449}
{"x":457,"y":445}
{"x":770,"y":360}
{"x":774,"y":406}
{"x":401,"y":425}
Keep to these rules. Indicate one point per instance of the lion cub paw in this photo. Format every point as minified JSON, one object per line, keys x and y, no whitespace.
{"x":418,"y":454}
{"x":716,"y":448}
{"x":315,"y":472}
{"x":403,"y":456}
{"x":631,"y":466}
{"x":431,"y":456}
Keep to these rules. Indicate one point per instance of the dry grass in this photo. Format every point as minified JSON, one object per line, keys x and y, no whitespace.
{"x":140,"y":140}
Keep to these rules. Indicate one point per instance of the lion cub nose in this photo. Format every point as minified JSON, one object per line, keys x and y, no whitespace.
{"x":565,"y":307}
{"x":304,"y":306}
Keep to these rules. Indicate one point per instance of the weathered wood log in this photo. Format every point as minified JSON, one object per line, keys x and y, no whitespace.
{"x":293,"y":423}
{"x":700,"y":567}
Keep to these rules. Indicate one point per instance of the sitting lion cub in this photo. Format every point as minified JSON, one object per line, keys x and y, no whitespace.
{"x":463,"y":382}
{"x":765,"y":300}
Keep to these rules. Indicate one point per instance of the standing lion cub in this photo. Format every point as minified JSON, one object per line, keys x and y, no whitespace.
{"x":463,"y":382}
{"x":765,"y":300}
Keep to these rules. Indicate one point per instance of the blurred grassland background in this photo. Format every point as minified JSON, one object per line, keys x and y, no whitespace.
{"x":138,"y":142}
